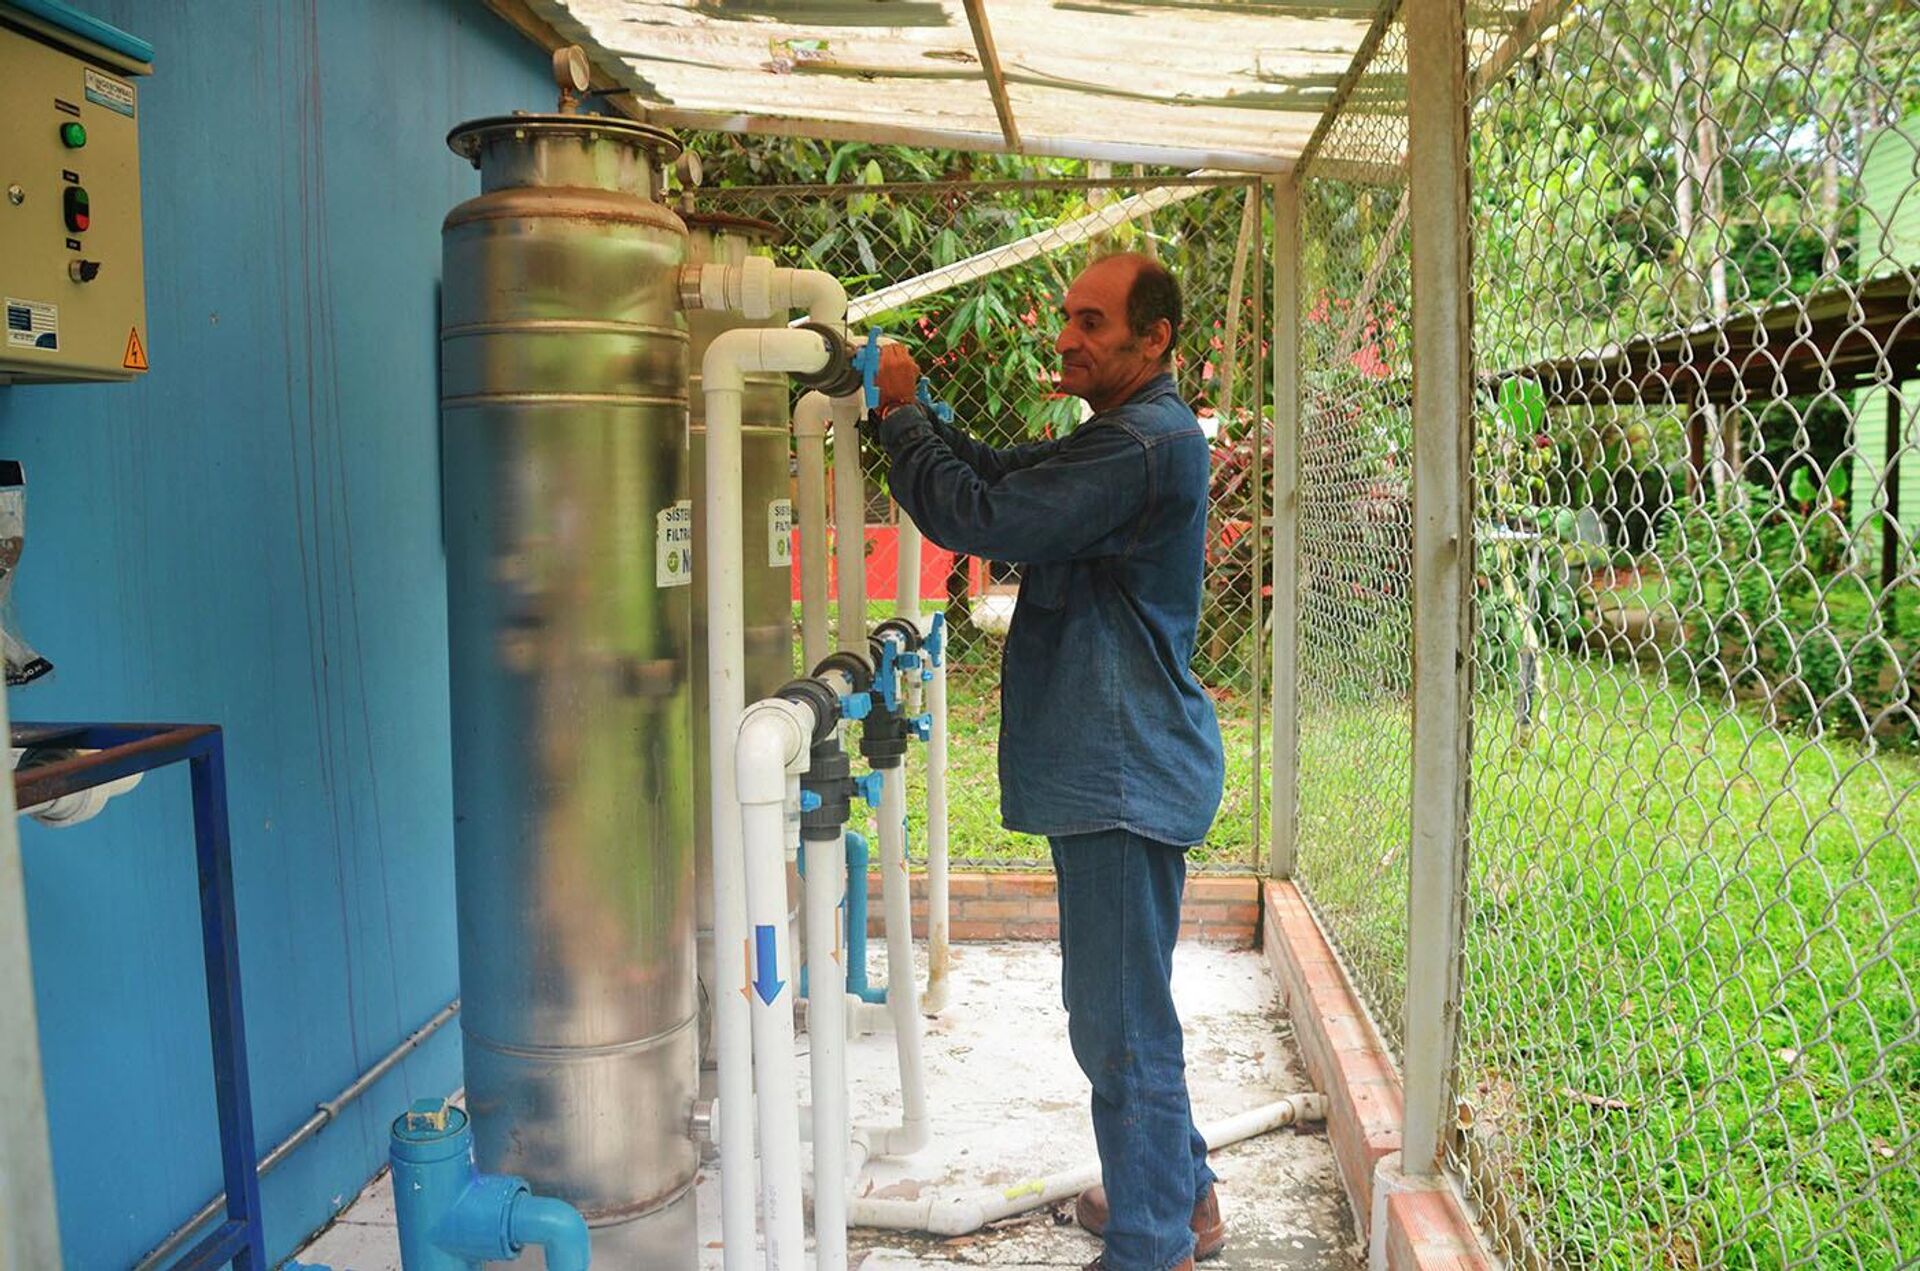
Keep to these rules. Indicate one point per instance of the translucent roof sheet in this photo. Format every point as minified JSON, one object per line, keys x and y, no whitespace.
{"x":1198,"y":83}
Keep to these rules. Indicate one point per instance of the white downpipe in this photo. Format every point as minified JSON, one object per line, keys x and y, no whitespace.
{"x":731,"y":355}
{"x":958,"y":1213}
{"x":939,"y":951}
{"x":772,"y":750}
{"x":850,"y":522}
{"x":903,"y":985}
{"x":827,"y":1039}
{"x":906,"y":592}
{"x":810,"y":417}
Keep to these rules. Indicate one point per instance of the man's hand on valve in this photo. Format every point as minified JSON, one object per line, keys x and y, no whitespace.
{"x":898,"y":377}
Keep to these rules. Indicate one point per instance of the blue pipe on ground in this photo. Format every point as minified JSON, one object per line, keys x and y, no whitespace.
{"x":858,"y":858}
{"x":454,"y":1218}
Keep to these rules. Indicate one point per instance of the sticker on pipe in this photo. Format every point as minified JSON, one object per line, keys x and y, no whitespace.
{"x":780,"y":534}
{"x":673,"y":545}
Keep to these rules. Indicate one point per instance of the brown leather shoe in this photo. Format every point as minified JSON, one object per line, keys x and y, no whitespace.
{"x":1209,"y":1229}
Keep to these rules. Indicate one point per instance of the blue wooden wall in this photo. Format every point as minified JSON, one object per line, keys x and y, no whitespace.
{"x":250,"y":536}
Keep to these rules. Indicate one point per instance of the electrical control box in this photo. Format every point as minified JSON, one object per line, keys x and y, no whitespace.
{"x":72,"y":290}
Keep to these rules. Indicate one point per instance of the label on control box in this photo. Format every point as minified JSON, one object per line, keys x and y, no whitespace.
{"x":673,"y":546}
{"x":105,"y":90}
{"x":780,"y":534}
{"x":32,"y":324}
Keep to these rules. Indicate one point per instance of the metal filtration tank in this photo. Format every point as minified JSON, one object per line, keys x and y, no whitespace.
{"x":767,"y":512}
{"x":569,"y":594}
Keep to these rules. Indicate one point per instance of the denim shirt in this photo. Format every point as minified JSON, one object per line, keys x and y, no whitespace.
{"x":1103,"y":725}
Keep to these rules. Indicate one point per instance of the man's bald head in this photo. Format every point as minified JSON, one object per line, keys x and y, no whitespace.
{"x":1153,"y":295}
{"x":1122,"y":317}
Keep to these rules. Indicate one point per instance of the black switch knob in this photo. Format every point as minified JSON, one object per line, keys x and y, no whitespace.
{"x":83,"y":270}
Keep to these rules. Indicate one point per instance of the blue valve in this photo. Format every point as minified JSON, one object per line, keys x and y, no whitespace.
{"x":856,"y":706}
{"x":866,"y":360}
{"x":868,"y":788}
{"x":809,"y":801}
{"x":886,"y":680}
{"x":936,"y":642}
{"x":923,"y":394}
{"x":921,"y":726}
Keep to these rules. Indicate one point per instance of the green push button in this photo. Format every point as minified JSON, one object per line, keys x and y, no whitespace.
{"x":74,"y":135}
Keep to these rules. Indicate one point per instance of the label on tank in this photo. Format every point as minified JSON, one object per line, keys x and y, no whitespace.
{"x":673,"y":545}
{"x":780,"y":534}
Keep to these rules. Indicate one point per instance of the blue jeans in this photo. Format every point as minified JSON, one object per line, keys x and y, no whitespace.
{"x":1119,"y":918}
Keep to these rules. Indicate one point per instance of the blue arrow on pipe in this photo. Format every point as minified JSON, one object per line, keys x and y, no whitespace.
{"x":766,"y":981}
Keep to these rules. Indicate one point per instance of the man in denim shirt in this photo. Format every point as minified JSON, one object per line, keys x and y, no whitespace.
{"x":1108,"y":745}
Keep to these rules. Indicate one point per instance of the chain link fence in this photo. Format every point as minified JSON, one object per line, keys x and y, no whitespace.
{"x":1688,"y":1033}
{"x":971,"y":276}
{"x":1355,"y":533}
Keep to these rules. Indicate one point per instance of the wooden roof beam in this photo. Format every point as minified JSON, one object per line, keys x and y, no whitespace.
{"x":996,"y":78}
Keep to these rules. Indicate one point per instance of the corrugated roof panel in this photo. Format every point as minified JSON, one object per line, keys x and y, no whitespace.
{"x":1233,"y":83}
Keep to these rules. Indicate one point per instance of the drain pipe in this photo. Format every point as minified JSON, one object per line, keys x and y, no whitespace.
{"x":451,"y":1217}
{"x":883,"y":742}
{"x":810,"y":418}
{"x":772,"y":750}
{"x":803,"y":352}
{"x":939,"y":950}
{"x":960,"y":1213}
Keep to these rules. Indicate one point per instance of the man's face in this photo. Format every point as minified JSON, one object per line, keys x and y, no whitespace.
{"x":1100,"y":357}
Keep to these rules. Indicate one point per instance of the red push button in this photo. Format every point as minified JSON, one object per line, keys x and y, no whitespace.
{"x":79,"y":210}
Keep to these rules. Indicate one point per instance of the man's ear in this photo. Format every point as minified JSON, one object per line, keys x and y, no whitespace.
{"x":1162,"y":338}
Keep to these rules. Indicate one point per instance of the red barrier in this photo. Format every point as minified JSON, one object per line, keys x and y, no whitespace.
{"x":883,"y":545}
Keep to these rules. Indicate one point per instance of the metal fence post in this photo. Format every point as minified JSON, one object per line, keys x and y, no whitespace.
{"x":1437,"y":180}
{"x":1284,"y":803}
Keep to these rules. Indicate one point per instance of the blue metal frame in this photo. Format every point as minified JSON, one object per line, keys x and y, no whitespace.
{"x":121,"y":750}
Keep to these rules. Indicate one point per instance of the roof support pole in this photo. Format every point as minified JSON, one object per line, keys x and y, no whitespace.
{"x":1437,"y":179}
{"x":996,"y":78}
{"x":1284,"y":800}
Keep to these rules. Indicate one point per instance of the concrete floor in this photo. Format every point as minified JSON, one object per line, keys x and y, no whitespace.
{"x":1009,"y":1104}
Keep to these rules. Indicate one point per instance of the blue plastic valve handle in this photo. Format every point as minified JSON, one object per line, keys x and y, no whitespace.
{"x":866,"y":360}
{"x":922,"y":726}
{"x":809,"y":801}
{"x":856,"y":706}
{"x":923,"y":394}
{"x":868,"y":788}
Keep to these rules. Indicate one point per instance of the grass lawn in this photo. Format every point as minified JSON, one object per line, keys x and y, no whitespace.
{"x":975,"y":837}
{"x":1689,"y":1033}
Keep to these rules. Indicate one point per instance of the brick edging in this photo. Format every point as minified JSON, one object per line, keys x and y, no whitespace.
{"x":1218,"y":909}
{"x":1411,"y":1224}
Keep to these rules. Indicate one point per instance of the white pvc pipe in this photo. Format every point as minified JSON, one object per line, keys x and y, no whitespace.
{"x":757,"y":288}
{"x":850,"y":522}
{"x":959,"y":1213}
{"x":773,"y":743}
{"x":810,"y":417}
{"x":939,"y":951}
{"x":906,"y":592}
{"x":903,"y":984}
{"x":731,"y":355}
{"x":827,"y":1040}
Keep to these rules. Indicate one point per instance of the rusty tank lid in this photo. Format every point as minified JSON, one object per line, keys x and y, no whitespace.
{"x":467,"y":139}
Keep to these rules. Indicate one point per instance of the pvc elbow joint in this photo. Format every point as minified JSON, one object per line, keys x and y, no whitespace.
{"x":555,"y":1226}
